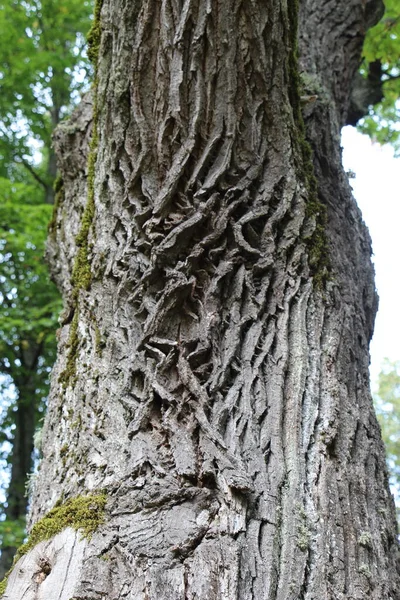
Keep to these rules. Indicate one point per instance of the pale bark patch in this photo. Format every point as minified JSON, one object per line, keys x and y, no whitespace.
{"x":50,"y":571}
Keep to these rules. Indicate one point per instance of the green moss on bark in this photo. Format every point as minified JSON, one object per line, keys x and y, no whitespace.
{"x":94,"y":34}
{"x":317,"y":243}
{"x":84,"y":513}
{"x":81,"y":273}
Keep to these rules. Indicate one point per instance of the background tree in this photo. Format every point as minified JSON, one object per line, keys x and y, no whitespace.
{"x":376,"y":88}
{"x":43,"y":69}
{"x":29,"y":307}
{"x":212,"y":378}
{"x":387,"y":403}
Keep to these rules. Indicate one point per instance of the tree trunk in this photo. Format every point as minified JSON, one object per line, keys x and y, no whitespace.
{"x":212,"y":375}
{"x":21,"y":459}
{"x":21,"y":464}
{"x":51,"y":177}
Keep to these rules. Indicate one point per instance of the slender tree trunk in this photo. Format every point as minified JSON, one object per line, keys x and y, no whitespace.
{"x":21,"y":462}
{"x":24,"y":426}
{"x":50,"y":177}
{"x":51,"y":171}
{"x":213,"y":366}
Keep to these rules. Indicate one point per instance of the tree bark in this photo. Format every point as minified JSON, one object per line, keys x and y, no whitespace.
{"x":212,"y":375}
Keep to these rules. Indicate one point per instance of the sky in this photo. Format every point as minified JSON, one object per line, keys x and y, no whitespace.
{"x":376,"y":188}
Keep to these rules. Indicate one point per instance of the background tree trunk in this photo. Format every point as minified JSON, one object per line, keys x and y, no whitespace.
{"x":21,"y":460}
{"x":213,"y":369}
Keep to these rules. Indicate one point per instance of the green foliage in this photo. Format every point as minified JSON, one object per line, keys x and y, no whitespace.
{"x":29,"y":306}
{"x":382,"y":49}
{"x":43,"y":70}
{"x":387,"y":404}
{"x":12,"y":533}
{"x":29,"y":301}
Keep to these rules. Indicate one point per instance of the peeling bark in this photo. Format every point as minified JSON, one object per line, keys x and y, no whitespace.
{"x":219,"y":397}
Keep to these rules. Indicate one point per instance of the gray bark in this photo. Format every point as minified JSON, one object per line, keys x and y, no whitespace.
{"x":220,"y":397}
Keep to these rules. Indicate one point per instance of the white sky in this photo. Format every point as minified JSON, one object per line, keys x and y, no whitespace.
{"x":377,"y":191}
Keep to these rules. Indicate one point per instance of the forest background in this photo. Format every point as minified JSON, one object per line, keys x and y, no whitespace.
{"x":44,"y":70}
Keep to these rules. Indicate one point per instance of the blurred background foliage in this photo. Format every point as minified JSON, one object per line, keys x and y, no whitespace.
{"x":43,"y":71}
{"x":381,"y":68}
{"x":387,"y":405}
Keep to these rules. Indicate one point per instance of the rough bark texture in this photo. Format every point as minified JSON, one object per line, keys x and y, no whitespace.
{"x":218,"y":396}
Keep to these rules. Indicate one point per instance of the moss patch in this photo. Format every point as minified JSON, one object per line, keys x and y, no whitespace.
{"x":98,"y":339}
{"x":85,"y":513}
{"x":317,"y":243}
{"x":81,"y":275}
{"x":94,"y":34}
{"x":81,"y":272}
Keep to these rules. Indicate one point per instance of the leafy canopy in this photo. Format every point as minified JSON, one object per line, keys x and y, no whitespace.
{"x":382,"y":53}
{"x":387,"y":404}
{"x":29,"y":305}
{"x":43,"y":70}
{"x":29,"y":301}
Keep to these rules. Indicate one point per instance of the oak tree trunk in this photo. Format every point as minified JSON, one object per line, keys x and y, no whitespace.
{"x":212,"y":375}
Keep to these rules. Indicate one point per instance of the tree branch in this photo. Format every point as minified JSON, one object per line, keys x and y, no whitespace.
{"x":32,"y":171}
{"x":366,"y":91}
{"x":390,"y":78}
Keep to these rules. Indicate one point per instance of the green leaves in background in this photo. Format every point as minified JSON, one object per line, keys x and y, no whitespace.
{"x":387,"y":405}
{"x":29,"y":301}
{"x":13,"y":533}
{"x":382,"y":60}
{"x":27,"y":295}
{"x":43,"y":71}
